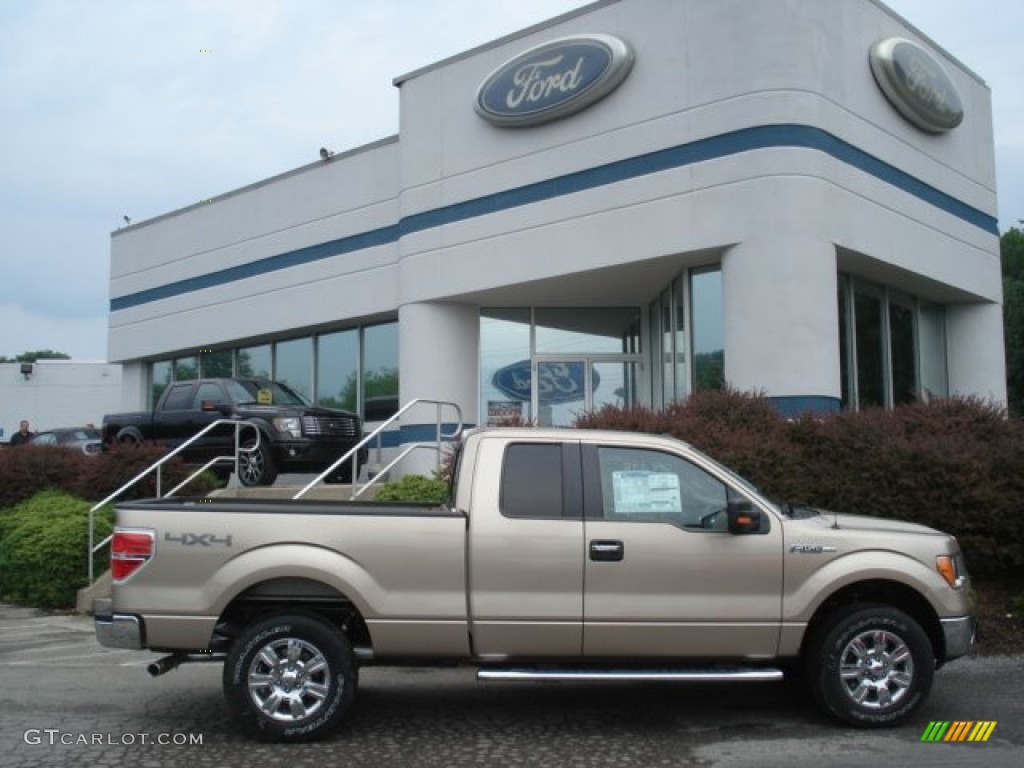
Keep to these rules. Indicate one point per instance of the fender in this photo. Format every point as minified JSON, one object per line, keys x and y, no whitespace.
{"x":864,"y":565}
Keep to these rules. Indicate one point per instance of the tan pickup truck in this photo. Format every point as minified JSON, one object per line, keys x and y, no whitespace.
{"x":564,"y":555}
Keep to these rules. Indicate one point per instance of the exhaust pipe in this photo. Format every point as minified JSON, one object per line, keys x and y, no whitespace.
{"x":164,"y":665}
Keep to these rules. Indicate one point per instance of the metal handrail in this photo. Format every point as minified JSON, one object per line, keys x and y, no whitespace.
{"x":352,"y":453}
{"x":158,"y":466}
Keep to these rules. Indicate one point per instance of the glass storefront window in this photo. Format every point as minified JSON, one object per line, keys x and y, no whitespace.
{"x":504,"y":366}
{"x":337,"y":371}
{"x":380,"y":371}
{"x":567,"y":331}
{"x":186,"y":368}
{"x":867,"y":309}
{"x":932,"y":341}
{"x":679,"y":301}
{"x":707,"y":321}
{"x":892,"y":346}
{"x":255,"y":362}
{"x":293,"y":365}
{"x":216,"y":364}
{"x":160,"y":378}
{"x":901,"y":352}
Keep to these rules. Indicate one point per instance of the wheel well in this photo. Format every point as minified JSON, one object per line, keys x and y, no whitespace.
{"x":290,"y":595}
{"x":891,"y":593}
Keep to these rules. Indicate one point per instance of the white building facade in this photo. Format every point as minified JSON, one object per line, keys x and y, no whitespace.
{"x":623,"y":205}
{"x":51,"y":394}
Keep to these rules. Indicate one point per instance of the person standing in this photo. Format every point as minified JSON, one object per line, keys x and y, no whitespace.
{"x":22,"y":435}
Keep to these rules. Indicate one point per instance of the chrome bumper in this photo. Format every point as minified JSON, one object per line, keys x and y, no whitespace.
{"x":959,"y":634}
{"x":115,"y":630}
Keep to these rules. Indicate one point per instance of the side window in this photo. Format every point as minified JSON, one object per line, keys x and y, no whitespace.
{"x":531,"y":480}
{"x":650,"y":486}
{"x":207,"y":391}
{"x":179,"y":398}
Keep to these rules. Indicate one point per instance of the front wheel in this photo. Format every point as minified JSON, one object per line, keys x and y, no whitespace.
{"x":290,"y":678}
{"x":870,"y":665}
{"x":256,"y":465}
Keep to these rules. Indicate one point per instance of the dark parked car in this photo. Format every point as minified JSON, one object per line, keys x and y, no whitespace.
{"x":87,"y":439}
{"x":294,"y":435}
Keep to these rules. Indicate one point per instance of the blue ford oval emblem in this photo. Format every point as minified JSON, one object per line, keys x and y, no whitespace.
{"x":553,"y":80}
{"x":557,"y":382}
{"x":916,"y":84}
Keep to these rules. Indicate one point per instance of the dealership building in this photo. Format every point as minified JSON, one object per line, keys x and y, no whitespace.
{"x":625,"y":204}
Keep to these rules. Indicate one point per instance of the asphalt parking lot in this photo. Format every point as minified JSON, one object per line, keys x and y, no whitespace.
{"x":67,"y":702}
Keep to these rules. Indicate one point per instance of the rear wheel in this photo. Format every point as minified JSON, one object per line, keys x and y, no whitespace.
{"x":870,"y":665}
{"x":256,"y":466}
{"x":290,"y":678}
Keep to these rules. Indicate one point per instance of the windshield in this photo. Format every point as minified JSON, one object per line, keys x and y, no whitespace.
{"x":248,"y":391}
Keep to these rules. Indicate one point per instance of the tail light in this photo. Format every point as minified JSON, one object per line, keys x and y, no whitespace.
{"x":130,"y":549}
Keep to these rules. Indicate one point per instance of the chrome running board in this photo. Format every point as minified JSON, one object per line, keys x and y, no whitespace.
{"x":723,"y":675}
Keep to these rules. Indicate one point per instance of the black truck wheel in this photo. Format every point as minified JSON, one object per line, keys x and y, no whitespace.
{"x":256,"y":467}
{"x":870,"y":665}
{"x":290,"y":678}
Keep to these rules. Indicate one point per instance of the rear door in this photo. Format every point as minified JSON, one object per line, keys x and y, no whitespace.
{"x":664,"y":577}
{"x":526,"y":550}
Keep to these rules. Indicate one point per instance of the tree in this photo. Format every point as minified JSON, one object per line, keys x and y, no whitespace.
{"x":31,"y":357}
{"x":1011,"y":248}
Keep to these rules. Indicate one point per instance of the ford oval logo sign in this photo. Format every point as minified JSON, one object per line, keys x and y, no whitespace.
{"x":916,"y":84}
{"x":557,"y":382}
{"x":553,"y":80}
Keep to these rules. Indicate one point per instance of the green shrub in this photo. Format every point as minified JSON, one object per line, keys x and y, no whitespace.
{"x":414,"y":488}
{"x":28,"y":469}
{"x":44,"y":549}
{"x":955,"y":464}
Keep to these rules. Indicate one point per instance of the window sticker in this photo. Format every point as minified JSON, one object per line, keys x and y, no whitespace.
{"x":640,"y":491}
{"x":265,"y":397}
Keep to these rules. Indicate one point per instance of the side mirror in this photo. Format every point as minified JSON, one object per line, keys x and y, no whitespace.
{"x":743,"y":518}
{"x":213,"y":406}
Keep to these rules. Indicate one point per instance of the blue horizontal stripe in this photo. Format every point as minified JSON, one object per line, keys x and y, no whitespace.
{"x":715,"y":147}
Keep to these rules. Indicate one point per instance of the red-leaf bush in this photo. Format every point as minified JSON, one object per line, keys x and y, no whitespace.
{"x":955,"y":464}
{"x":27,"y":469}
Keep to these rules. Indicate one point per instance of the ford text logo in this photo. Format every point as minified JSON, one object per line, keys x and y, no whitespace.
{"x":557,"y":382}
{"x":916,"y":84}
{"x":554,"y":80}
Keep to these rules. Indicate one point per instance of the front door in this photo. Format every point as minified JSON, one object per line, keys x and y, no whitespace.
{"x":564,"y":387}
{"x":663,"y":576}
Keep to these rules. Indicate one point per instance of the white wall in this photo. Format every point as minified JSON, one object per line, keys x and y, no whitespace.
{"x":59,"y":393}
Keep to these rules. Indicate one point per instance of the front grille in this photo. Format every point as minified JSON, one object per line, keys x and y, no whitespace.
{"x":330,"y":426}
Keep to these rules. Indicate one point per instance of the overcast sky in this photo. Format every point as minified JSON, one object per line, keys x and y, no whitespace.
{"x":112,"y":108}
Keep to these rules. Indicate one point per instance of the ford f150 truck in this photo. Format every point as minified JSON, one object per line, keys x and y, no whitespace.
{"x":294,"y":435}
{"x":565,"y":554}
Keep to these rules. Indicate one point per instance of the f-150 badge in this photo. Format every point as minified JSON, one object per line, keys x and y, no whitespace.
{"x":810,"y":549}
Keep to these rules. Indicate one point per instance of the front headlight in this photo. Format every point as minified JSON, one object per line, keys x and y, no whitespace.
{"x":290,"y":425}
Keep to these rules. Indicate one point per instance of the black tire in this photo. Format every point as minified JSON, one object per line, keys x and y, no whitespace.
{"x":870,"y":665}
{"x":301,"y":697}
{"x":128,"y":438}
{"x":256,"y":467}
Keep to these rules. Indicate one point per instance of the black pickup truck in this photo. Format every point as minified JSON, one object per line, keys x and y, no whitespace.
{"x":294,"y":435}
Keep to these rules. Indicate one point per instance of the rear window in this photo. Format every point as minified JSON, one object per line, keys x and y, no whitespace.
{"x":531,"y":480}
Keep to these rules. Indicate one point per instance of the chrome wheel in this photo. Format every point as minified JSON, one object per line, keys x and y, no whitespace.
{"x":288,"y":680}
{"x":876,"y":669}
{"x":251,"y":466}
{"x":869,"y":665}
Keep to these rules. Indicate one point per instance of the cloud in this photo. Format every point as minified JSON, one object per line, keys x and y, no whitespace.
{"x":25,"y":330}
